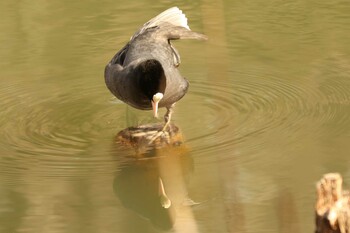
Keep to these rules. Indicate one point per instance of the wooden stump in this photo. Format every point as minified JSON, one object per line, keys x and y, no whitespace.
{"x":332,"y":206}
{"x":146,"y":138}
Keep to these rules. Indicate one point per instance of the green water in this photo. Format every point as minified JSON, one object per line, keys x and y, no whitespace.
{"x":266,"y":115}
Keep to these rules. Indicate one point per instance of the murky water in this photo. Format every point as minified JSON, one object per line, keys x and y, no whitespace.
{"x":267,"y":113}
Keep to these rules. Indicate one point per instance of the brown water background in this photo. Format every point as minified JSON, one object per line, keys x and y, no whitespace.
{"x":267,"y":113}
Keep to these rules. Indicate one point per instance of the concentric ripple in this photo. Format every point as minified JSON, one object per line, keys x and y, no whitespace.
{"x":223,"y":114}
{"x":58,"y":132}
{"x":72,"y":130}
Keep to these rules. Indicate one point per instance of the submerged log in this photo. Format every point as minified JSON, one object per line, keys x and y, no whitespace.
{"x":150,"y":137}
{"x":332,"y":206}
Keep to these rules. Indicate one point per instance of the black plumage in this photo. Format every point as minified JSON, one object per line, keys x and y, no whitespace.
{"x":144,"y":73}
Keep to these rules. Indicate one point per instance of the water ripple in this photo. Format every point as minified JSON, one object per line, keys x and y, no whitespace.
{"x":59,"y":131}
{"x":259,"y":106}
{"x":56,"y":133}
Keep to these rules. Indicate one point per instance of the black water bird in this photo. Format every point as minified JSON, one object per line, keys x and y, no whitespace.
{"x":144,"y":73}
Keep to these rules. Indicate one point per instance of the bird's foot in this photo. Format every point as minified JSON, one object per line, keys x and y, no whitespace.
{"x":162,"y":134}
{"x":166,"y":132}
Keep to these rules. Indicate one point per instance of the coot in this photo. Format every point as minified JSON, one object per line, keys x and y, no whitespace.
{"x":144,"y":73}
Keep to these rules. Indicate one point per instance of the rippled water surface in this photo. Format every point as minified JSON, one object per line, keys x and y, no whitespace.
{"x":267,"y":113}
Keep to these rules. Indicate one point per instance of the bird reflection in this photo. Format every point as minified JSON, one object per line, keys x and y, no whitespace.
{"x":154,"y":182}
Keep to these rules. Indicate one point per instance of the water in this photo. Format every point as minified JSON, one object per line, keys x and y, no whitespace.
{"x":267,"y":113}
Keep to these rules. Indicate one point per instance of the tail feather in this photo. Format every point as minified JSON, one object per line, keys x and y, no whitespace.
{"x":172,"y":16}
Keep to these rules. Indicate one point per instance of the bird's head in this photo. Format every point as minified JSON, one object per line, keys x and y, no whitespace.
{"x":155,"y":100}
{"x":151,"y":82}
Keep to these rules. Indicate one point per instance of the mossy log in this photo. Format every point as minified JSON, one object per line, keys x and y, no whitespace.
{"x":150,"y":137}
{"x":332,"y":206}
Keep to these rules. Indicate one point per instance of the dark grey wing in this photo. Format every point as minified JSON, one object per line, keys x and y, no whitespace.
{"x":115,"y":72}
{"x":120,"y":56}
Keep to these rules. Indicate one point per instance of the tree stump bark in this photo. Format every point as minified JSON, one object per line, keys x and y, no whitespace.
{"x":332,"y":206}
{"x":146,"y":139}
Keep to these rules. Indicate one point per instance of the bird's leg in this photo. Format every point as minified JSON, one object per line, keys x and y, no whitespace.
{"x":167,"y":118}
{"x":176,"y":55}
